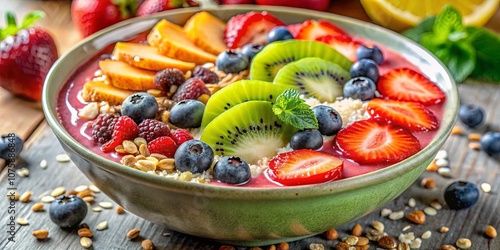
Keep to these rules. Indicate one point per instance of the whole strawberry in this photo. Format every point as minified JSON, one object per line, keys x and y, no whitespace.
{"x":26,"y":55}
{"x":154,"y":6}
{"x":90,"y":16}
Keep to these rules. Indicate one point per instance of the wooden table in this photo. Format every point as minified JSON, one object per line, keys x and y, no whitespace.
{"x":26,"y":119}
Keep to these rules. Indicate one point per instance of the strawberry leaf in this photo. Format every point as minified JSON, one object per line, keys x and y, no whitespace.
{"x":290,"y":108}
{"x":31,"y":18}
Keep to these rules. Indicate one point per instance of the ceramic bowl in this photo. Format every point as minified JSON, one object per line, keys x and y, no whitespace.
{"x":238,"y":215}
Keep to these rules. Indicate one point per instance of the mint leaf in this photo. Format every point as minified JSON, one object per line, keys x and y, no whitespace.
{"x":487,"y":45}
{"x":290,"y":108}
{"x":423,"y":27}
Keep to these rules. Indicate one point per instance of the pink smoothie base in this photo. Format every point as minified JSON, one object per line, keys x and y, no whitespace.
{"x":69,"y":102}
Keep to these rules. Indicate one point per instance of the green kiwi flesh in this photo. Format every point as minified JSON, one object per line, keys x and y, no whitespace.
{"x":314,"y":77}
{"x":239,"y":92}
{"x":249,"y":130}
{"x":266,"y":64}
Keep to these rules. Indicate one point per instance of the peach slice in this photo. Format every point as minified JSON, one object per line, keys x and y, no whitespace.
{"x":147,"y":57}
{"x":97,"y":91}
{"x":207,"y":32}
{"x":124,"y":76}
{"x":172,"y":41}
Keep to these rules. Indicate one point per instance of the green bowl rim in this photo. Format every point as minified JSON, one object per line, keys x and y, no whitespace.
{"x":338,"y":186}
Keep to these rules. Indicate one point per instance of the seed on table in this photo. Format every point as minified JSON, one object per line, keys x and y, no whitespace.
{"x":403,"y":246}
{"x":474,"y":145}
{"x":350,"y":240}
{"x":283,"y":246}
{"x":412,"y":202}
{"x":106,"y":204}
{"x":316,"y":246}
{"x":342,"y":246}
{"x":48,"y":199}
{"x":133,"y":233}
{"x":97,"y":209}
{"x":71,"y":192}
{"x":43,"y":164}
{"x":362,"y":241}
{"x":444,"y":172}
{"x":448,"y":247}
{"x":417,"y":243}
{"x":432,"y":166}
{"x":441,"y":154}
{"x":41,"y":234}
{"x":430,"y":211}
{"x":443,"y":229}
{"x":474,"y":136}
{"x":463,"y":243}
{"x":428,"y":183}
{"x":442,"y":163}
{"x":387,"y":242}
{"x":147,"y":245}
{"x":486,"y":187}
{"x":86,"y":242}
{"x":436,"y":205}
{"x":85,"y":193}
{"x":357,"y":230}
{"x":20,"y":173}
{"x":378,"y":225}
{"x":89,"y":199}
{"x":80,"y":188}
{"x":120,"y":210}
{"x":37,"y":207}
{"x":426,"y":235}
{"x":407,"y":237}
{"x":85,"y":232}
{"x":397,"y":215}
{"x":102,"y":226}
{"x":58,"y":191}
{"x":385,"y":212}
{"x":456,"y":130}
{"x":62,"y":158}
{"x":94,"y":188}
{"x":331,"y":234}
{"x":25,"y":197}
{"x":374,"y":235}
{"x":22,"y":221}
{"x":490,"y":231}
{"x":406,"y":228}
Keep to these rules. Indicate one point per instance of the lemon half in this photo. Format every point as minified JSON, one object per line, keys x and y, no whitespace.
{"x":402,"y":14}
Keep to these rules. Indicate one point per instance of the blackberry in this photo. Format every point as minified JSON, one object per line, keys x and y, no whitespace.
{"x":151,"y":129}
{"x":205,"y":75}
{"x":102,"y":128}
{"x":164,"y":79}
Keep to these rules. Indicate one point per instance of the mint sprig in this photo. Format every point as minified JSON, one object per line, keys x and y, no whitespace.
{"x":466,"y":51}
{"x":292,"y":109}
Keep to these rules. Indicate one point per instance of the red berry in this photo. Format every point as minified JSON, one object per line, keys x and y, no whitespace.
{"x":191,"y":89}
{"x":163,"y":145}
{"x":206,"y":75}
{"x":151,"y":129}
{"x":164,"y":79}
{"x":180,"y":136}
{"x":155,"y":6}
{"x":312,"y":29}
{"x":125,"y":129}
{"x":102,"y":128}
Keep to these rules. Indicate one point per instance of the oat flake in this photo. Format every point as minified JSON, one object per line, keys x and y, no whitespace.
{"x":102,"y":226}
{"x":48,"y":199}
{"x":62,"y":158}
{"x":43,"y":164}
{"x":97,"y":209}
{"x":486,"y":187}
{"x":106,"y":204}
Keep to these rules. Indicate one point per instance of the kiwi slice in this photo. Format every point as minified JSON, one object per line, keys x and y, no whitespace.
{"x":266,"y":64}
{"x":239,"y":92}
{"x":249,"y":130}
{"x":314,"y":77}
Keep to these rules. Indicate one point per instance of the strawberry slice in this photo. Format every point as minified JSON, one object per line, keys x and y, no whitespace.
{"x":305,"y":166}
{"x":251,"y":27}
{"x":374,"y":142}
{"x":294,"y":28}
{"x":408,"y":85}
{"x":413,"y":116}
{"x":125,"y":129}
{"x":312,"y":29}
{"x":342,"y":43}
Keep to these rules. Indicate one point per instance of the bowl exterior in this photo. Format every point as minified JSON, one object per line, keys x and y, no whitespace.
{"x":240,"y":215}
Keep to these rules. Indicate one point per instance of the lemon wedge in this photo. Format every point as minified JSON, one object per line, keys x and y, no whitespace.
{"x":402,"y":14}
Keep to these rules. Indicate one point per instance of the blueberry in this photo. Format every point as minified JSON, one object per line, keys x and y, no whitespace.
{"x":187,"y":113}
{"x":251,"y":50}
{"x":490,"y":142}
{"x":365,"y":67}
{"x":232,"y":61}
{"x":194,"y":156}
{"x":362,"y":88}
{"x":461,"y":194}
{"x":329,"y":120}
{"x":279,"y":33}
{"x":11,"y":146}
{"x":140,"y":106}
{"x":232,"y":170}
{"x":471,"y":115}
{"x":308,"y":138}
{"x":68,"y":211}
{"x":373,"y":53}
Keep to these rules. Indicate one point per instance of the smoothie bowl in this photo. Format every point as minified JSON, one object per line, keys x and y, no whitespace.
{"x":251,"y":168}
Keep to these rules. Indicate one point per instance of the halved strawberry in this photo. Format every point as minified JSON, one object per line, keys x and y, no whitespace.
{"x":374,"y":142}
{"x":294,"y":28}
{"x":312,"y":29}
{"x":342,"y":43}
{"x":408,"y":85}
{"x":251,"y":27}
{"x":305,"y":166}
{"x":125,"y":129}
{"x":413,"y":116}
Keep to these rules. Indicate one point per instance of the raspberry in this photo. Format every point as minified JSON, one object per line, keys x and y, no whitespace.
{"x":163,"y":145}
{"x":205,"y":75}
{"x":164,"y":79}
{"x":180,"y":136}
{"x":151,"y":129}
{"x":102,"y":128}
{"x":125,"y":129}
{"x":190,"y":89}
